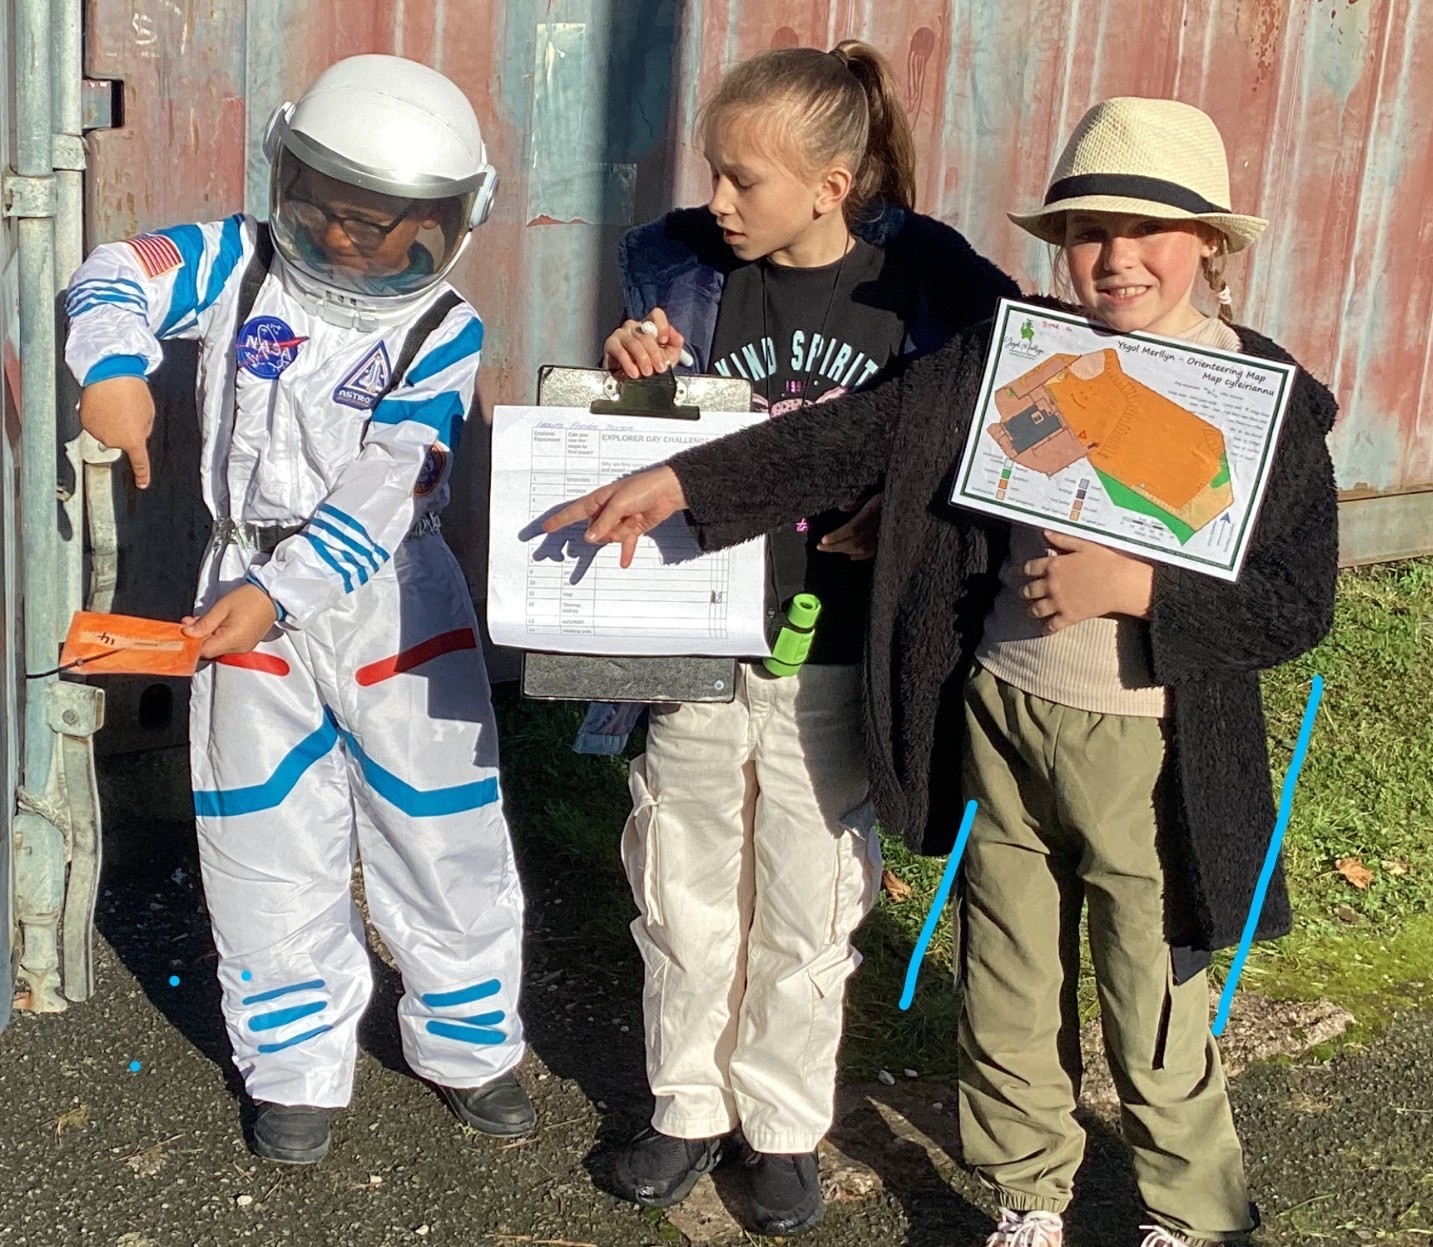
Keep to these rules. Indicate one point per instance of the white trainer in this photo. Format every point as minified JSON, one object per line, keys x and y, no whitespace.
{"x":1028,"y":1229}
{"x":1158,"y":1236}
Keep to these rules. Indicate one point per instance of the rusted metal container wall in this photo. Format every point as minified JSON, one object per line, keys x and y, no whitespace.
{"x":1326,"y":107}
{"x":588,"y":107}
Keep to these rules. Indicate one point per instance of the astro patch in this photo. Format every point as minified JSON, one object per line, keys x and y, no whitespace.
{"x":366,"y":384}
{"x":432,"y":471}
{"x":156,"y":253}
{"x":266,"y":346}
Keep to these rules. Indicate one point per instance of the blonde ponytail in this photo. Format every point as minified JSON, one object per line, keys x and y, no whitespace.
{"x":842,"y":103}
{"x":1213,"y":267}
{"x":888,"y":167}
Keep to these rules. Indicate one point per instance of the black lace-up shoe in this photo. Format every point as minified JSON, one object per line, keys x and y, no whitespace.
{"x":293,"y":1134}
{"x":785,"y":1191}
{"x":500,"y":1107}
{"x":658,"y":1171}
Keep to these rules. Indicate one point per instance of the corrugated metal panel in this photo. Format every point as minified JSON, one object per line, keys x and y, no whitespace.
{"x":1325,"y":107}
{"x":588,"y":106}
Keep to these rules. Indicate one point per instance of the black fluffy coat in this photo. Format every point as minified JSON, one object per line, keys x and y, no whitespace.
{"x":936,"y":575}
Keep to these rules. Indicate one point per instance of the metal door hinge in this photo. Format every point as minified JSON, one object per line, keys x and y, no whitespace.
{"x":27,"y":196}
{"x":68,"y":152}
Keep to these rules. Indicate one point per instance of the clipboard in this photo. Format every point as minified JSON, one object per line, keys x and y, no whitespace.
{"x":606,"y":677}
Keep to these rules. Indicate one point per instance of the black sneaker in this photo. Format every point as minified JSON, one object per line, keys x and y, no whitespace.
{"x":657,"y":1170}
{"x":293,"y":1134}
{"x":500,"y":1107}
{"x":785,"y":1191}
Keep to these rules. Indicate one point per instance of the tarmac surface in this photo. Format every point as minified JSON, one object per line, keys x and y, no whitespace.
{"x":94,"y":1154}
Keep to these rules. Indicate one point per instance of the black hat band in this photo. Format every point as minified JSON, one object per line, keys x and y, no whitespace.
{"x":1131,"y":186}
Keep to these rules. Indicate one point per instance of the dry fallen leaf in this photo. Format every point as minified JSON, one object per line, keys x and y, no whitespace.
{"x":894,"y":886}
{"x":1353,"y":869}
{"x":1395,"y":867}
{"x":76,"y":1119}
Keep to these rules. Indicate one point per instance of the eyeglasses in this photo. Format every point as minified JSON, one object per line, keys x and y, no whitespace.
{"x":365,"y":235}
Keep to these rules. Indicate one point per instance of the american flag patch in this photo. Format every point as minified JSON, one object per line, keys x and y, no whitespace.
{"x":157,"y":253}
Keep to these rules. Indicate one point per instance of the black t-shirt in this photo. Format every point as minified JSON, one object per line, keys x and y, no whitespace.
{"x":810,"y":335}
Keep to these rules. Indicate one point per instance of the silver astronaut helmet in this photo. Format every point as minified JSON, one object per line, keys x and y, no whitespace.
{"x":378,"y":175}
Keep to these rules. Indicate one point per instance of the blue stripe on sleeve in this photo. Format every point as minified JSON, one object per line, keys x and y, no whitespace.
{"x":116,"y":366}
{"x":185,"y":305}
{"x":343,"y":517}
{"x":360,"y":568}
{"x":442,"y":412}
{"x":184,"y":296}
{"x":325,"y":526}
{"x":328,"y":558}
{"x":231,"y":249}
{"x":108,"y":283}
{"x":469,"y":341}
{"x":83,"y":303}
{"x":121,"y":290}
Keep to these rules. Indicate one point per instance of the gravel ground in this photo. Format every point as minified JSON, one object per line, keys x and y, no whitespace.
{"x":94,"y":1154}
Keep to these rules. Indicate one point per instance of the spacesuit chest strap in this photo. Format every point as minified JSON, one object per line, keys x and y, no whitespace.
{"x":254,"y":273}
{"x":415,"y":337}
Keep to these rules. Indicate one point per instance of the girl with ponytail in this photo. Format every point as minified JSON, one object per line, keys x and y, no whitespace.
{"x":750,"y":849}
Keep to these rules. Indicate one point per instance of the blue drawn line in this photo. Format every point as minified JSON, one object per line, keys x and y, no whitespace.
{"x":311,"y":985}
{"x":464,"y":1033}
{"x":463,"y":996}
{"x":941,"y":893}
{"x":297,"y":1039}
{"x":282,"y":1017}
{"x":1286,"y":805}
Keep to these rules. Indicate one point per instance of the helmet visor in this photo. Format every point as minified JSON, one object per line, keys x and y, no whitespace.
{"x":362,"y":241}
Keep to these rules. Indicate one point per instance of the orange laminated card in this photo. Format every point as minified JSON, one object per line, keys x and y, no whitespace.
{"x":128,"y":645}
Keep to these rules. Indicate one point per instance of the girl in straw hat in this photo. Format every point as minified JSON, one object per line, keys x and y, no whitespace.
{"x":1104,"y":711}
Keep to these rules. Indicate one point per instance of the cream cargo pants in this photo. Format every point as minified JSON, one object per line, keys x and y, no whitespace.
{"x":752,"y":860}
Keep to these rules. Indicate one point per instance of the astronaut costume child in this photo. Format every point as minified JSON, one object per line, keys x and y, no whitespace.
{"x":334,"y":378}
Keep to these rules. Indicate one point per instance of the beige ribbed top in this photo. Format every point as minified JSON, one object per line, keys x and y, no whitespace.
{"x":1100,"y":665}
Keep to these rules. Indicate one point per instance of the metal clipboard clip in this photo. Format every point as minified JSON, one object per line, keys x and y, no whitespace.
{"x":614,"y":678}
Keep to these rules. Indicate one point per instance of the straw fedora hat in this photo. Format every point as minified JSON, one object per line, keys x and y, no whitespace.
{"x":1155,"y":158}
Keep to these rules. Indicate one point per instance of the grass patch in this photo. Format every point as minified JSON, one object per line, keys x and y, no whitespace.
{"x":567,"y":814}
{"x":1366,"y":792}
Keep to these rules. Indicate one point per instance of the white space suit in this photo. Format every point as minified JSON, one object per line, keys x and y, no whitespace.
{"x":363,"y":723}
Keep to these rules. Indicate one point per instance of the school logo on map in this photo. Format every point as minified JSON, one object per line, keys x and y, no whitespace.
{"x":432,"y":471}
{"x":363,"y":387}
{"x":1026,"y":344}
{"x":266,"y":346}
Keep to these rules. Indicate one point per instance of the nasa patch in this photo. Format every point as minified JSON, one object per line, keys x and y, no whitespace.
{"x":367,"y":382}
{"x":266,"y":346}
{"x":432,"y":471}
